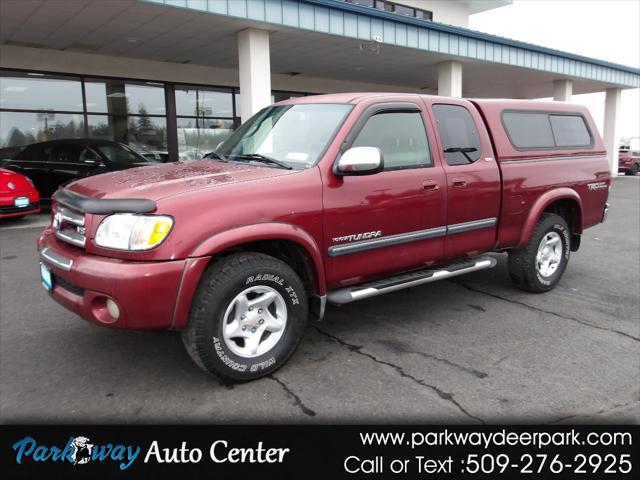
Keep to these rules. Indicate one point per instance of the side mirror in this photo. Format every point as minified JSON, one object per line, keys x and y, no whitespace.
{"x":92,"y":159}
{"x":360,"y":161}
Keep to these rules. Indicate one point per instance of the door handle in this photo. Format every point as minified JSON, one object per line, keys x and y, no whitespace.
{"x":430,"y":185}
{"x":459,"y":182}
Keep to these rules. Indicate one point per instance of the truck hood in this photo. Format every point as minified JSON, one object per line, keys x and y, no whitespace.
{"x":167,"y":179}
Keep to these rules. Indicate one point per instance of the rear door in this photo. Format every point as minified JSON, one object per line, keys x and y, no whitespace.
{"x":472,"y":177}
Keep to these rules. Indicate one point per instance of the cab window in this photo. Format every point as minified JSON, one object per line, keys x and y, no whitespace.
{"x":458,"y":133}
{"x":400,"y":136}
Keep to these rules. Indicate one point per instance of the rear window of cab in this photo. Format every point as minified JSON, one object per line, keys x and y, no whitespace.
{"x":532,"y":130}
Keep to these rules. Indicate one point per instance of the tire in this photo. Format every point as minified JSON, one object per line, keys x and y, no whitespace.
{"x":222,"y":303}
{"x":633,"y":171}
{"x":524,"y":269}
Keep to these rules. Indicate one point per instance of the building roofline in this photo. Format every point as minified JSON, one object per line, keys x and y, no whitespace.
{"x":466,"y":32}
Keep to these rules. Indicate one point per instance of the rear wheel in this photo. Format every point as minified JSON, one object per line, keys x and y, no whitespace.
{"x":247,"y":317}
{"x":633,"y":170}
{"x":539,"y":266}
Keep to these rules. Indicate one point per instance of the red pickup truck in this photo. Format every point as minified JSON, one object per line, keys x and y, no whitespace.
{"x":331,"y":198}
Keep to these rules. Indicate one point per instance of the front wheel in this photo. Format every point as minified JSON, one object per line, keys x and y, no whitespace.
{"x":247,"y":318}
{"x":633,"y":170}
{"x":539,"y":266}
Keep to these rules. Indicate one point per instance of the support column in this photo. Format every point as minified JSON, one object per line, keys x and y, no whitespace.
{"x":255,"y":71}
{"x":450,"y":79}
{"x":562,"y":90}
{"x":610,"y":136}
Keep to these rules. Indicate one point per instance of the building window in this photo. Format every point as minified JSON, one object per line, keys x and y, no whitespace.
{"x":278,"y":96}
{"x":205,"y":117}
{"x":128,"y":112}
{"x":30,"y":91}
{"x":19,"y":129}
{"x":36,"y":107}
{"x":394,"y":7}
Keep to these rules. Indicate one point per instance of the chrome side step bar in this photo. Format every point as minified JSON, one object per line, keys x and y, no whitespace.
{"x":399,"y":282}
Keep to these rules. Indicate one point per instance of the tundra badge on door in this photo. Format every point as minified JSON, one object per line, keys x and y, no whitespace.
{"x":358,"y":236}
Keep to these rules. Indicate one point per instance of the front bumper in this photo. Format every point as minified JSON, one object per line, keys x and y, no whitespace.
{"x":148,"y":294}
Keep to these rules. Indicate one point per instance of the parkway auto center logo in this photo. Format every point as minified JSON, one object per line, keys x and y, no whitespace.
{"x":78,"y":450}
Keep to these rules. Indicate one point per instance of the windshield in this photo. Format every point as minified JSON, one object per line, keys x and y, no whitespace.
{"x":119,"y":153}
{"x":295,"y":135}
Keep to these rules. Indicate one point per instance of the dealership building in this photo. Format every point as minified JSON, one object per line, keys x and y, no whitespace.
{"x":172,"y":78}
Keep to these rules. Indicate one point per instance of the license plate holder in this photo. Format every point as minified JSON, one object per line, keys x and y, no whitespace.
{"x":21,"y":202}
{"x":46,"y":277}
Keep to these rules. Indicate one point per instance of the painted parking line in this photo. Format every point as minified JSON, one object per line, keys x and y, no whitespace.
{"x":37,"y":224}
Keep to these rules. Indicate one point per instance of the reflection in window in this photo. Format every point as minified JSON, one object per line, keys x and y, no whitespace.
{"x":119,"y":153}
{"x":570,"y":131}
{"x":198,"y":136}
{"x":118,"y":97}
{"x":205,"y":118}
{"x":25,"y":128}
{"x":457,"y":131}
{"x":146,"y":135}
{"x":203,"y":102}
{"x":294,"y":134}
{"x":400,"y":136}
{"x":34,"y":91}
{"x":277,"y":96}
{"x":529,"y":129}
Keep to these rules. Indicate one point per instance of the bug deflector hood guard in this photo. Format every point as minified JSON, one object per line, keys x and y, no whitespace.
{"x":82,"y":203}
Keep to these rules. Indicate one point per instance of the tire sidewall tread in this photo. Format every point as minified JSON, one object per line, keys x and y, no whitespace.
{"x":522,"y":263}
{"x":220,"y":283}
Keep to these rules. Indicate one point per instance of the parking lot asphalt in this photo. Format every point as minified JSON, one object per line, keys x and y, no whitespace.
{"x":470,"y":350}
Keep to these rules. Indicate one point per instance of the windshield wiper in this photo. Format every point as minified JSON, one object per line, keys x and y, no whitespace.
{"x":463,"y":150}
{"x":261,"y":158}
{"x":217,"y":155}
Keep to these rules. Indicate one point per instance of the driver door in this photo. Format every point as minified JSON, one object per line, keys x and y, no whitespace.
{"x":392,"y":220}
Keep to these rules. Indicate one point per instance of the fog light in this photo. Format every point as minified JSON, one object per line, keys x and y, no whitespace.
{"x":113,"y":309}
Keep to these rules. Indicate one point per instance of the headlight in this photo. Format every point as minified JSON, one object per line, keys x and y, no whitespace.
{"x":125,"y":231}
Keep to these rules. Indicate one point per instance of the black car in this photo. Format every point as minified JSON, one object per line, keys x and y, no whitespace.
{"x":51,"y":164}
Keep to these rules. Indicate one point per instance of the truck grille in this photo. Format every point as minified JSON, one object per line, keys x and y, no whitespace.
{"x":69,"y":226}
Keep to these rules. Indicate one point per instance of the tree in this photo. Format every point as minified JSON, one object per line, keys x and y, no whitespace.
{"x":16,"y":138}
{"x":144,"y":122}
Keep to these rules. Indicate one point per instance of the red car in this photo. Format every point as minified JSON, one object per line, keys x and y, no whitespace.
{"x":18,"y":196}
{"x":333,"y":198}
{"x":629,"y":162}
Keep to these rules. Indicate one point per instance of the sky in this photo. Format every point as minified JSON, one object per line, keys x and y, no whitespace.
{"x":605,"y":30}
